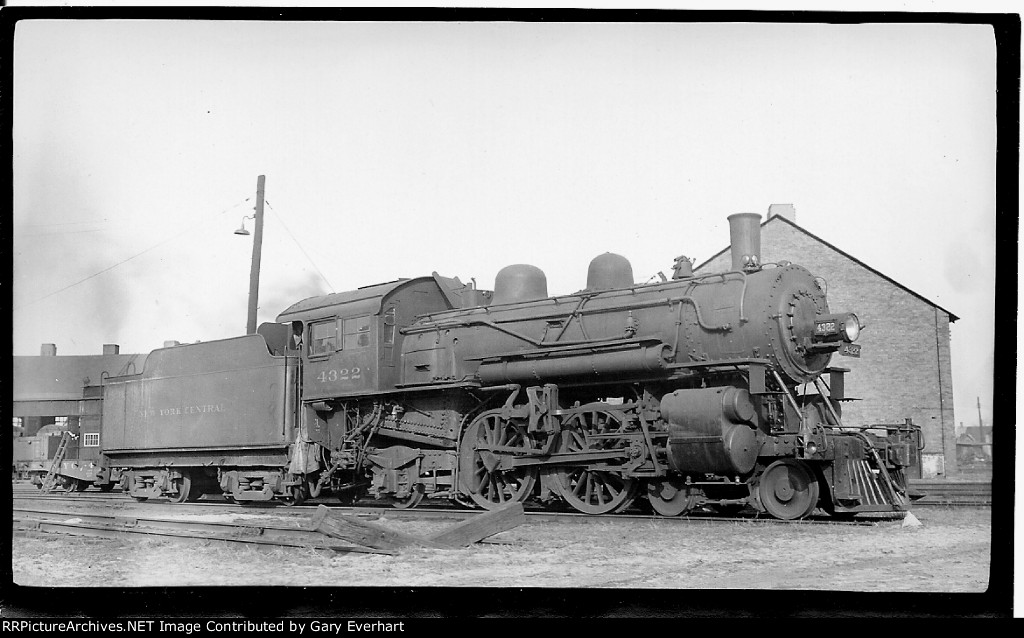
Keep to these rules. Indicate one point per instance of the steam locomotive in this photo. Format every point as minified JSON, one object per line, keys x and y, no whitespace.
{"x":673,"y":395}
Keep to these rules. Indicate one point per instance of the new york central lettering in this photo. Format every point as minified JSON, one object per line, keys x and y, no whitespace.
{"x":181,"y":410}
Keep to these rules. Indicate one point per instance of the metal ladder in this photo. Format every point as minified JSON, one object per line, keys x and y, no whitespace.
{"x":50,"y":480}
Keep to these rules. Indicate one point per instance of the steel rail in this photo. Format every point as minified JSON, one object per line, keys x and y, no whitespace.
{"x":532,"y":515}
{"x":962,"y":495}
{"x":111,"y":526}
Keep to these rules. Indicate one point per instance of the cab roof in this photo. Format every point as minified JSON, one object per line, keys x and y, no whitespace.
{"x":362,"y":301}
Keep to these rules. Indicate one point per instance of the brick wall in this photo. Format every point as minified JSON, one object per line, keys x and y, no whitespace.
{"x":904,"y":370}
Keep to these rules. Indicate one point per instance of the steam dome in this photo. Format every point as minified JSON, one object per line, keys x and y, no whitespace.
{"x":609,"y":271}
{"x":519,"y":282}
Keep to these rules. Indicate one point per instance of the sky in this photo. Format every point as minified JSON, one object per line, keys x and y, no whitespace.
{"x":398,"y":149}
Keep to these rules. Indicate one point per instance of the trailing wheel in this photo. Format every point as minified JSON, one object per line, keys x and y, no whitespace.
{"x":592,"y":490}
{"x":670,"y":497}
{"x":411,"y":501}
{"x":480,"y":473}
{"x":297,"y":494}
{"x":788,"y":489}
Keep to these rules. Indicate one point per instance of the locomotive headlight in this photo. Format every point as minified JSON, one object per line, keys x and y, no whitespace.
{"x":829,"y":327}
{"x":851,"y":328}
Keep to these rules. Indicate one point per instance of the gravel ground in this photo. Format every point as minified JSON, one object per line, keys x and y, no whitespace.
{"x":949,"y":552}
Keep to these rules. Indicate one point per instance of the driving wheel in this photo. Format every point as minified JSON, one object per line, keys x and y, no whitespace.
{"x":586,"y":488}
{"x":488,"y":440}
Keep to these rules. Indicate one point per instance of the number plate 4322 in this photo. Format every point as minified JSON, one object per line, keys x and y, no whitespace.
{"x":850,"y":350}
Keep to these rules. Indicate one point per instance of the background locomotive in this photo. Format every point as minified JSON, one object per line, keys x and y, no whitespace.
{"x":695,"y":390}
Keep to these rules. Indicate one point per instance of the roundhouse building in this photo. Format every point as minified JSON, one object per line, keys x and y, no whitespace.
{"x":51,"y":394}
{"x":904,"y":370}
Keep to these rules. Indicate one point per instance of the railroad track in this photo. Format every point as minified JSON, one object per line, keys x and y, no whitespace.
{"x":264,"y":534}
{"x":955,"y":493}
{"x":439,"y":511}
{"x":946,"y":492}
{"x":298,"y":516}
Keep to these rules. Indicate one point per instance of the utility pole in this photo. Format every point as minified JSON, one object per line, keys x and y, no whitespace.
{"x":981,"y":425}
{"x":257,"y":246}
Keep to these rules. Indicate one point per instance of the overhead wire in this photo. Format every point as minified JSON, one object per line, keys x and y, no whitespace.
{"x":136,"y":255}
{"x":312,"y":263}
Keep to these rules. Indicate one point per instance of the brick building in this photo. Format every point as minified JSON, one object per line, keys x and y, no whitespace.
{"x":904,"y":370}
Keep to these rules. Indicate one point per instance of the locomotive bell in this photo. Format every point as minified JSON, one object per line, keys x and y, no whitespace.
{"x":745,"y":237}
{"x":609,"y":271}
{"x":519,"y":282}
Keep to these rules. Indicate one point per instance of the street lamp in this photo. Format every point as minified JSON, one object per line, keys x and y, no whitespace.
{"x":257,"y":246}
{"x":241,"y":229}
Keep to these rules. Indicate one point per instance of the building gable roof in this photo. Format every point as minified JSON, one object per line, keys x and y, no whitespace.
{"x":952,"y":317}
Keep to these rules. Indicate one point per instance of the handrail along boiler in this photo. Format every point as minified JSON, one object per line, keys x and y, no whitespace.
{"x":682,"y":393}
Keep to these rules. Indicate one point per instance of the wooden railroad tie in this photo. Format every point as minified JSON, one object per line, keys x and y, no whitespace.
{"x":464,"y":534}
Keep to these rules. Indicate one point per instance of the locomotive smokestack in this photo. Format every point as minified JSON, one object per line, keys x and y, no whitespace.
{"x":745,"y":237}
{"x":111,"y":348}
{"x":48,"y":350}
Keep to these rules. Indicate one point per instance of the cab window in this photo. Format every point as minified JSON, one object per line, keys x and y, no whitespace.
{"x":323,"y":337}
{"x":389,"y":325}
{"x":357,"y":332}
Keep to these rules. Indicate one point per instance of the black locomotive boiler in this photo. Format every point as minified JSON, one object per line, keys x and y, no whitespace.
{"x":682,"y":393}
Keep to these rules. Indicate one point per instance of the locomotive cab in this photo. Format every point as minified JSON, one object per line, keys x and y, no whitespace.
{"x":351,"y":340}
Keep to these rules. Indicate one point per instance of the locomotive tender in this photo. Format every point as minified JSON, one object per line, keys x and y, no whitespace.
{"x":691,"y":391}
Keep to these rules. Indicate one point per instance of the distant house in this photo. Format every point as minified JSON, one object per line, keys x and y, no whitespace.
{"x":974,"y":445}
{"x":904,"y":370}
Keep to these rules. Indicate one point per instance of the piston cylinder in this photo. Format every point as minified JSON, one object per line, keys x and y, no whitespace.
{"x":711,"y":430}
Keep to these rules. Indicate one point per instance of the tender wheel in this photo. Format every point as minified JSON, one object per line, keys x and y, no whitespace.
{"x":80,"y":486}
{"x":411,"y":501}
{"x":106,"y":487}
{"x":788,"y":489}
{"x":670,"y":497}
{"x":593,"y":491}
{"x":184,"y":487}
{"x":480,"y":473}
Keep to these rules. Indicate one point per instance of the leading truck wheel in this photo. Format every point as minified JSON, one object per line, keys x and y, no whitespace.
{"x":480,"y":470}
{"x":788,"y":489}
{"x":670,"y":497}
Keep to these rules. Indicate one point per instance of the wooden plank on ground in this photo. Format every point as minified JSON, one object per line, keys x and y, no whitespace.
{"x":479,"y":527}
{"x":354,"y":530}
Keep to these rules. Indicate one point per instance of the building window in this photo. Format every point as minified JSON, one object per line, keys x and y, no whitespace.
{"x":61,"y":421}
{"x":357,"y":332}
{"x":91,"y":439}
{"x":324,"y":337}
